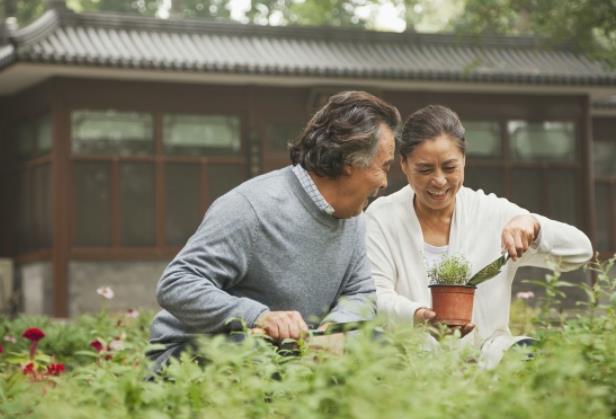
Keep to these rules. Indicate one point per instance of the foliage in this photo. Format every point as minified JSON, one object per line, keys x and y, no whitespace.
{"x":452,"y":270}
{"x":589,"y":25}
{"x":572,"y":374}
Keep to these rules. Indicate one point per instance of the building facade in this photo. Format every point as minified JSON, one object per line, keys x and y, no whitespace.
{"x":119,"y":131}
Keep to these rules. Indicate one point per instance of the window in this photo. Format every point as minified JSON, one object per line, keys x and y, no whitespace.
{"x":137,"y":188}
{"x":92,"y":203}
{"x":33,"y":138}
{"x":542,"y":141}
{"x":32,"y":144}
{"x":483,"y":139}
{"x":604,"y":164}
{"x":201,"y":134}
{"x":112,"y":133}
{"x":538,"y":169}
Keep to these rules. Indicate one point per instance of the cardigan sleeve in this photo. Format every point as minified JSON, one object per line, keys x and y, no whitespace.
{"x":558,"y":242}
{"x":389,"y":302}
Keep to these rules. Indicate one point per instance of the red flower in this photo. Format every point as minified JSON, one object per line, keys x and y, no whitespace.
{"x":55,"y":369}
{"x":33,"y":334}
{"x":97,"y":345}
{"x":1,"y":349}
{"x":28,"y":369}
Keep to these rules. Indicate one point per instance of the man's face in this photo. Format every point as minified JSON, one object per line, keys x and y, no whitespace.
{"x":358,"y":184}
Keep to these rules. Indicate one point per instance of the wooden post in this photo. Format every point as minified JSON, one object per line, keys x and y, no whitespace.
{"x":60,"y":181}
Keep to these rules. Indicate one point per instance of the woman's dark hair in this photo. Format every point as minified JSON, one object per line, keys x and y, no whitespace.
{"x":429,"y":123}
{"x":344,"y":131}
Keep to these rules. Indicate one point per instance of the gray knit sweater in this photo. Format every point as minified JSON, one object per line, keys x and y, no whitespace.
{"x":265,"y":245}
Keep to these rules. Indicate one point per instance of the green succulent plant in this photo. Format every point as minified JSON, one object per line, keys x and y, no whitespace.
{"x":452,"y":270}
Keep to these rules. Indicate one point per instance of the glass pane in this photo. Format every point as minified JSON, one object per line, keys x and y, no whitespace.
{"x":604,"y":158}
{"x":540,"y":141}
{"x":483,"y":139}
{"x":527,"y":189}
{"x":279,"y":135}
{"x":182,"y":200}
{"x":201,"y":134}
{"x":43,"y":135}
{"x":24,"y":136}
{"x":489,"y":179}
{"x":24,"y":211}
{"x":92,"y":204}
{"x":223,"y":178}
{"x":603,"y":218}
{"x":112,"y":132}
{"x":41,"y":222}
{"x":562,"y":194}
{"x":137,"y":204}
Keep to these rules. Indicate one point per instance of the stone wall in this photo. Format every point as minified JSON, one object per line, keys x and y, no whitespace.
{"x":133,"y":284}
{"x":35,"y":281}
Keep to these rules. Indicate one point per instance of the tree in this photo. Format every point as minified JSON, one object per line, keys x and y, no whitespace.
{"x":589,"y":25}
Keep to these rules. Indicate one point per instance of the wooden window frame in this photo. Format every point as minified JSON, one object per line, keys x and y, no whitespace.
{"x":160,"y":249}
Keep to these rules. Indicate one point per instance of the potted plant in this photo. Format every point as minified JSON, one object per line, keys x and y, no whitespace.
{"x":452,"y":297}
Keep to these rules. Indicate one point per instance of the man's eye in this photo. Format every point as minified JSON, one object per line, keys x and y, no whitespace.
{"x":424,"y":171}
{"x":450,"y":168}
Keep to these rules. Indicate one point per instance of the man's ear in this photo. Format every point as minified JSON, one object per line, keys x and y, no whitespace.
{"x":347,"y":170}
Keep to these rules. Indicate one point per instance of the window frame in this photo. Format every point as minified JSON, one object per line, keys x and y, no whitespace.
{"x":160,"y":249}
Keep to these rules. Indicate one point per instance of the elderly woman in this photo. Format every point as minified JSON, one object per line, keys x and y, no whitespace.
{"x":435,"y":215}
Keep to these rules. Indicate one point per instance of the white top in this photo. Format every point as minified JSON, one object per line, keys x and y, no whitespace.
{"x":433,"y":255}
{"x":395,"y":247}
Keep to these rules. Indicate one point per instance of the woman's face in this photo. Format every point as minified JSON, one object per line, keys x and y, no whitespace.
{"x":435,"y":171}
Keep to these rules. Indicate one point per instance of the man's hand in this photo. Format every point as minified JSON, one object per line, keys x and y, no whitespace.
{"x":519,"y":233}
{"x":281,"y":325}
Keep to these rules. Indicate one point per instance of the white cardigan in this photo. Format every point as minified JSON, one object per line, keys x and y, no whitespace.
{"x":395,"y":247}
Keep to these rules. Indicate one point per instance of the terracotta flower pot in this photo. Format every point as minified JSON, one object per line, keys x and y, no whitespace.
{"x":453,"y":304}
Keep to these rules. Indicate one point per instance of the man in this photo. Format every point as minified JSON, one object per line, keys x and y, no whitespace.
{"x":286,"y":249}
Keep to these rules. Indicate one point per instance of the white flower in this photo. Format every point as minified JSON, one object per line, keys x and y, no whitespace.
{"x":11,"y":339}
{"x":105,"y":292}
{"x":132,"y":314}
{"x":525,"y":295}
{"x":116,"y":345}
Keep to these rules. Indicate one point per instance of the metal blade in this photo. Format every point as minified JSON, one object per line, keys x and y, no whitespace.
{"x":489,"y":271}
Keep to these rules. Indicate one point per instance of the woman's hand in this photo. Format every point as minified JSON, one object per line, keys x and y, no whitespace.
{"x":519,"y":233}
{"x":425,"y":315}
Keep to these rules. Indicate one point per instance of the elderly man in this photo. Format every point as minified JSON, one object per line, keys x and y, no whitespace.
{"x":286,"y":249}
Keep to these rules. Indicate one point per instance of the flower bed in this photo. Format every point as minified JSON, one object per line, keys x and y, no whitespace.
{"x":94,"y":367}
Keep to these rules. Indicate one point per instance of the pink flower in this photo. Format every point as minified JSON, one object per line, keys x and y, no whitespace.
{"x":525,"y":295}
{"x":28,"y":369}
{"x":97,"y":345}
{"x":132,"y":314}
{"x":105,"y":292}
{"x":55,"y":369}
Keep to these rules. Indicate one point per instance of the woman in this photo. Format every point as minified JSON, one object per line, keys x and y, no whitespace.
{"x":409,"y":230}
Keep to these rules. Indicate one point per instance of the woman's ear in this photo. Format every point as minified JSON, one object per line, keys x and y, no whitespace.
{"x":404,"y":165}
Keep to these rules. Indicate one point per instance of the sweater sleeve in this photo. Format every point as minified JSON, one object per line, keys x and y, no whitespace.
{"x":389,"y":301}
{"x":195,"y":286}
{"x":560,"y":242}
{"x":356,"y":301}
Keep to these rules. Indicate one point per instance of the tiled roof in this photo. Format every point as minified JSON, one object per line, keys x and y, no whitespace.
{"x":121,"y":41}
